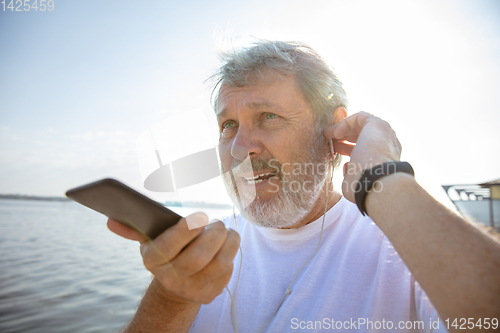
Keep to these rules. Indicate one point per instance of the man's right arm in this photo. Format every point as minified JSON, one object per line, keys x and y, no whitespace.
{"x":191,"y":267}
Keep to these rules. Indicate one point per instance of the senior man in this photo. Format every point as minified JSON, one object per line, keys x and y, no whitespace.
{"x":310,"y":258}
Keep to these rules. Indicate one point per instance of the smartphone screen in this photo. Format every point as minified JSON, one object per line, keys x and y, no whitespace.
{"x":125,"y":205}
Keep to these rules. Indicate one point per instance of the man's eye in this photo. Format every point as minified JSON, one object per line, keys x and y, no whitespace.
{"x":227,"y":125}
{"x":271,"y":116}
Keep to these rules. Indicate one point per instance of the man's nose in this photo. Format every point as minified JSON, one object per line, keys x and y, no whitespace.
{"x":246,"y":142}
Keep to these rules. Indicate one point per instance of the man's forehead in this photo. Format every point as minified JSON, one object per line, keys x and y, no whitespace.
{"x":221,"y":96}
{"x":227,"y":91}
{"x":258,"y":97}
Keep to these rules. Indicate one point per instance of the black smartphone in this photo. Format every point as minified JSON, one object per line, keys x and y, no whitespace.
{"x":125,"y":205}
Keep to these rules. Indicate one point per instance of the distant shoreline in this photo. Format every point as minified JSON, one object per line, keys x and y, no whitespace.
{"x":196,"y":204}
{"x":31,"y":197}
{"x":167,"y":203}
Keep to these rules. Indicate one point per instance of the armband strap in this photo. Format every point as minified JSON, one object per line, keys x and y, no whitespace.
{"x":371,"y":175}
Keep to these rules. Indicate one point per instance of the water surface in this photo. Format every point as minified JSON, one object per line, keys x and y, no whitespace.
{"x":62,"y":270}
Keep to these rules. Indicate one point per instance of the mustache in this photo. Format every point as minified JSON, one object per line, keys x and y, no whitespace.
{"x":258,"y":164}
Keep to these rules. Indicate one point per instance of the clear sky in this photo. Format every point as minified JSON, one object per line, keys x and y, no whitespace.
{"x":79,"y":85}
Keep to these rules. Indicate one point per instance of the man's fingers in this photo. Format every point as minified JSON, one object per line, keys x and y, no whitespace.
{"x":223,"y":261}
{"x":208,"y":290}
{"x":218,"y":286}
{"x":171,"y":242}
{"x":124,"y":231}
{"x":207,"y":270}
{"x":212,"y":279}
{"x":349,"y":128}
{"x":201,"y":251}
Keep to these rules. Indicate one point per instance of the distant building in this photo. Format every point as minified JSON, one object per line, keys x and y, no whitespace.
{"x":477,"y":202}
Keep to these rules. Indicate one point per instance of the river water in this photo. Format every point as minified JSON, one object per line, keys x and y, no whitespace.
{"x":62,"y":270}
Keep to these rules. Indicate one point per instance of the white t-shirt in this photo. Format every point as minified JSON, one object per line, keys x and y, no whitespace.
{"x":356,"y":281}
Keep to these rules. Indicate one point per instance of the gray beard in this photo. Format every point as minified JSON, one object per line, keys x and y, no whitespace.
{"x":288,"y":206}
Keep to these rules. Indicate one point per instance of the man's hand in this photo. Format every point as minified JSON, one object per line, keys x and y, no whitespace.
{"x":375,"y":143}
{"x":193,"y":266}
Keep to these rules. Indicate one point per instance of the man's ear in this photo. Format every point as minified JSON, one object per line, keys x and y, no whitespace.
{"x":339,"y":114}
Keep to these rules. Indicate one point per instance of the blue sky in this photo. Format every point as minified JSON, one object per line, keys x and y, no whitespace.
{"x":80,"y":84}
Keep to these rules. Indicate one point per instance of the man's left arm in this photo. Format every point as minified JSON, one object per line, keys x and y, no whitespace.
{"x":457,"y":264}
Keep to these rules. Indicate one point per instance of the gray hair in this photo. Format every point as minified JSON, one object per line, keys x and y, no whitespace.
{"x":250,"y":65}
{"x":316,"y":80}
